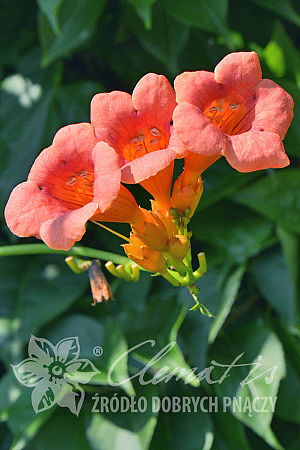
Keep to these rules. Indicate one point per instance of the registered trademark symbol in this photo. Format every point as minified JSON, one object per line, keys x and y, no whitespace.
{"x":97,"y":350}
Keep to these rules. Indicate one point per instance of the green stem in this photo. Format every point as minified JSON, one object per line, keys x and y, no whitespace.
{"x":178,"y":265}
{"x":171,"y":279}
{"x":38,"y":249}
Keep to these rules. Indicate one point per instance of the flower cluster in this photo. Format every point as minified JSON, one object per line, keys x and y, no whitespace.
{"x":132,"y":139}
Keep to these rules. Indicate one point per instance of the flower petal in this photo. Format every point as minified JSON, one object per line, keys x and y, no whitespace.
{"x":240,"y":70}
{"x":198,"y":88}
{"x":67,"y":349}
{"x":256,"y":150}
{"x":154,"y":99}
{"x":107,"y":175}
{"x":176,"y":144}
{"x":71,"y":152}
{"x":28,"y":207}
{"x":62,"y":232}
{"x":114,"y":117}
{"x":197,"y":132}
{"x":29,"y":372}
{"x":141,"y":169}
{"x":273,"y":109}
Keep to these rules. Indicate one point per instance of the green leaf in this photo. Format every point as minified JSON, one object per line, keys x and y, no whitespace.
{"x":288,"y":406}
{"x":39,"y":290}
{"x":133,"y":296}
{"x":290,"y":341}
{"x":274,"y":58}
{"x":195,"y":327}
{"x":125,"y":430}
{"x":77,"y":29}
{"x":290,"y":247}
{"x":276,"y":197}
{"x":220,"y":180}
{"x":165,"y":40}
{"x":247,"y":234}
{"x":184,"y":430}
{"x":10,"y":391}
{"x":74,"y":100}
{"x":5,"y":436}
{"x":228,"y":296}
{"x":272,"y":356}
{"x":69,"y":432}
{"x":16,"y":32}
{"x":283,"y":8}
{"x":16,"y":407}
{"x":51,"y":8}
{"x":231,"y":432}
{"x":152,"y":336}
{"x":256,"y":345}
{"x":205,"y":15}
{"x":30,"y":123}
{"x":274,"y":282}
{"x":281,"y":54}
{"x":144,"y":10}
{"x":91,"y":333}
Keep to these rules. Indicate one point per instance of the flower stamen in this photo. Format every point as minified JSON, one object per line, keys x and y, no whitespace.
{"x":144,"y":143}
{"x":111,"y":231}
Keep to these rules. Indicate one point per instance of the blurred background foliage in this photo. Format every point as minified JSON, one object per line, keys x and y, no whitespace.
{"x":54,"y":56}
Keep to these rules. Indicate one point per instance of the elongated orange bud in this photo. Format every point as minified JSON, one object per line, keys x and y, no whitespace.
{"x":153,"y":233}
{"x":179,"y":246}
{"x":186,"y":196}
{"x":144,"y":256}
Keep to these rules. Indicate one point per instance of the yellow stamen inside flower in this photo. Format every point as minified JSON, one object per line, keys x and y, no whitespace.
{"x":77,"y":189}
{"x":229,"y":115}
{"x":147,"y":140}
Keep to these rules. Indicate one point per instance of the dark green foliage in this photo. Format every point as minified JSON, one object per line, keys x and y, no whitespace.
{"x":54,"y":56}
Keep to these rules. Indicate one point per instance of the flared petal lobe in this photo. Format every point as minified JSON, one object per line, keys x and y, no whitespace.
{"x":197,"y":132}
{"x":273,"y":109}
{"x":239,"y":70}
{"x":220,"y":112}
{"x":62,"y":232}
{"x":70,"y":183}
{"x":138,"y":128}
{"x":114,"y":118}
{"x":154,"y":100}
{"x":256,"y":150}
{"x":141,"y":169}
{"x":66,"y":168}
{"x":28,"y":207}
{"x":198,"y":88}
{"x":107,"y":176}
{"x":31,"y":211}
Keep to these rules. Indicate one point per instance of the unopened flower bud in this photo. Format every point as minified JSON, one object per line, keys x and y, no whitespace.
{"x":144,"y":256}
{"x":154,"y":233}
{"x":185,"y":198}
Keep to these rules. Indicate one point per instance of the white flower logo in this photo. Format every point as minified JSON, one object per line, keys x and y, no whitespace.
{"x":55,"y":372}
